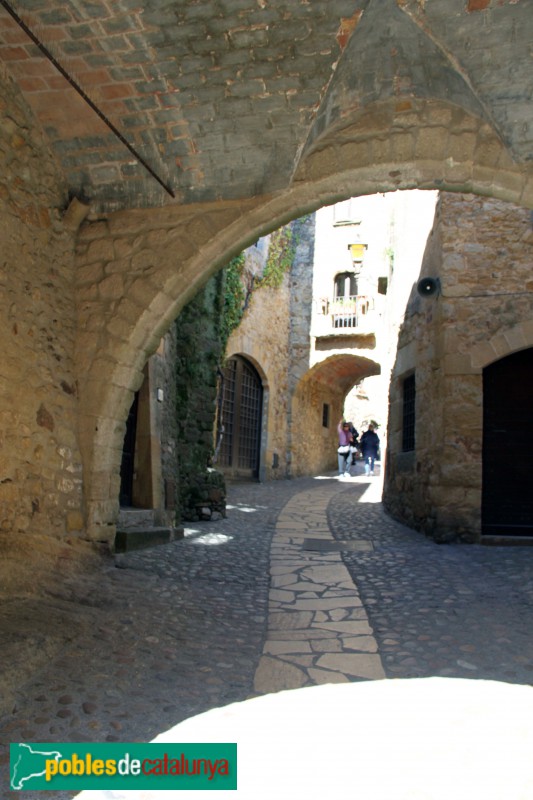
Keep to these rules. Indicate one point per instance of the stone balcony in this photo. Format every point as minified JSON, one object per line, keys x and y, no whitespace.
{"x":344,"y":317}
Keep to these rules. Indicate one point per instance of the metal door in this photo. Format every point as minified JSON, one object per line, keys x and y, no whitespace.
{"x":507,"y":493}
{"x":241,"y":419}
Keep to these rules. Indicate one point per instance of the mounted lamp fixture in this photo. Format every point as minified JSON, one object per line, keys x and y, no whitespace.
{"x":357,"y":251}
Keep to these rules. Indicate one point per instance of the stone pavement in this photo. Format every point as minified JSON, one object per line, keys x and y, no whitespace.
{"x":306,"y":582}
{"x":318,"y":631}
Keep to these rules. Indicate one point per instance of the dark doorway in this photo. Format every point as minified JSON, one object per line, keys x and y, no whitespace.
{"x":242,"y":402}
{"x":507,"y":494}
{"x":127,"y":467}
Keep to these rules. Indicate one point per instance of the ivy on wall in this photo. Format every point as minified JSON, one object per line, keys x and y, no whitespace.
{"x":203,"y":329}
{"x":237,"y":291}
{"x":281,"y":252}
{"x":199,"y":352}
{"x":234,"y":298}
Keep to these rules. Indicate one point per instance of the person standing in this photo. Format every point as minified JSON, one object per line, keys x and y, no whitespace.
{"x":343,"y":450}
{"x":354,"y":445}
{"x":369,"y":447}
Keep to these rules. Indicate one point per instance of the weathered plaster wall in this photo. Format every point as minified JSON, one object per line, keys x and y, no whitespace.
{"x":481,"y":250}
{"x":40,"y":467}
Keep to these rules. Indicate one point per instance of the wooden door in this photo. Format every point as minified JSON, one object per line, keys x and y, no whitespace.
{"x":507,"y":493}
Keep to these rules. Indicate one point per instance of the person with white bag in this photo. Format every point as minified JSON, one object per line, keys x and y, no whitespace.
{"x":343,"y":450}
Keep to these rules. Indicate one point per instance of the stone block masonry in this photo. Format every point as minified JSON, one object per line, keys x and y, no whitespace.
{"x":479,"y":249}
{"x":40,"y":469}
{"x":197,"y":60}
{"x":247,"y":81}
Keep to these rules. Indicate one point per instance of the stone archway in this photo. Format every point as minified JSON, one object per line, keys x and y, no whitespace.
{"x":504,"y":343}
{"x":408,"y":95}
{"x":137,"y":269}
{"x":317,"y":406}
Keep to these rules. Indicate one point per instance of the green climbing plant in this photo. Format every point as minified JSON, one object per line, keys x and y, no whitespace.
{"x":282,"y":248}
{"x":234,"y":298}
{"x":281,"y":253}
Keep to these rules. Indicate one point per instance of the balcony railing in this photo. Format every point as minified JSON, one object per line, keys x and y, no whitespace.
{"x":344,"y":312}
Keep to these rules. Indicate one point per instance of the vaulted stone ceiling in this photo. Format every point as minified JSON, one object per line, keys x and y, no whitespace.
{"x":152,"y":102}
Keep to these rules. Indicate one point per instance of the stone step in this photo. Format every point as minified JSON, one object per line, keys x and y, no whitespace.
{"x":128,"y":539}
{"x":136,"y":518}
{"x":502,"y":541}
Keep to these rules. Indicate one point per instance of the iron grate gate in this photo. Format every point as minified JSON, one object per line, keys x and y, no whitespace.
{"x":241,"y":418}
{"x":249,"y":418}
{"x":228,"y":404}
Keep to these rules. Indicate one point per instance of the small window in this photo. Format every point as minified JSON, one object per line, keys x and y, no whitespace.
{"x":344,"y":213}
{"x":408,"y":427}
{"x":383,"y":285}
{"x":325,"y":415}
{"x":345,"y":285}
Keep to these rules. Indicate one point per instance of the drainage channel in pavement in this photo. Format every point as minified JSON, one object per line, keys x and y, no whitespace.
{"x":324,"y":545}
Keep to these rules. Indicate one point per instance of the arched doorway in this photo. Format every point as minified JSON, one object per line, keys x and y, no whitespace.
{"x":507,"y":499}
{"x":240,"y":420}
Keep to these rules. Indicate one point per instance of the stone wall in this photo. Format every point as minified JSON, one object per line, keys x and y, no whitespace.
{"x":481,"y":251}
{"x":314,"y":446}
{"x":40,"y":474}
{"x":135,"y":272}
{"x":262,"y":337}
{"x":136,"y":269}
{"x":275,"y":336}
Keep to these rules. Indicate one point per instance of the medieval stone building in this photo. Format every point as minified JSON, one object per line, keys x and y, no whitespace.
{"x":461,"y":422}
{"x":144,"y":145}
{"x":460,"y":399}
{"x":332,"y":323}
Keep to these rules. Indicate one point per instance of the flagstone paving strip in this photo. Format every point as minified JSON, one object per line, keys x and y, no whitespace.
{"x":318,"y":630}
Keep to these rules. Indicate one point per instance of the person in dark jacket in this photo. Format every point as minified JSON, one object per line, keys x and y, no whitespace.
{"x":354,"y":446}
{"x":369,"y":444}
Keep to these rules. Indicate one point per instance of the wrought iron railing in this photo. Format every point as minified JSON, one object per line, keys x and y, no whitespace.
{"x":345,"y":312}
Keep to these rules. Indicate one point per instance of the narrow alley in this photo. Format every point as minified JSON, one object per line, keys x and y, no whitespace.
{"x":305,"y":582}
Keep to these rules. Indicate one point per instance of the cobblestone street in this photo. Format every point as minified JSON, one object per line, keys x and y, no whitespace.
{"x":305,"y":582}
{"x":449,"y":610}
